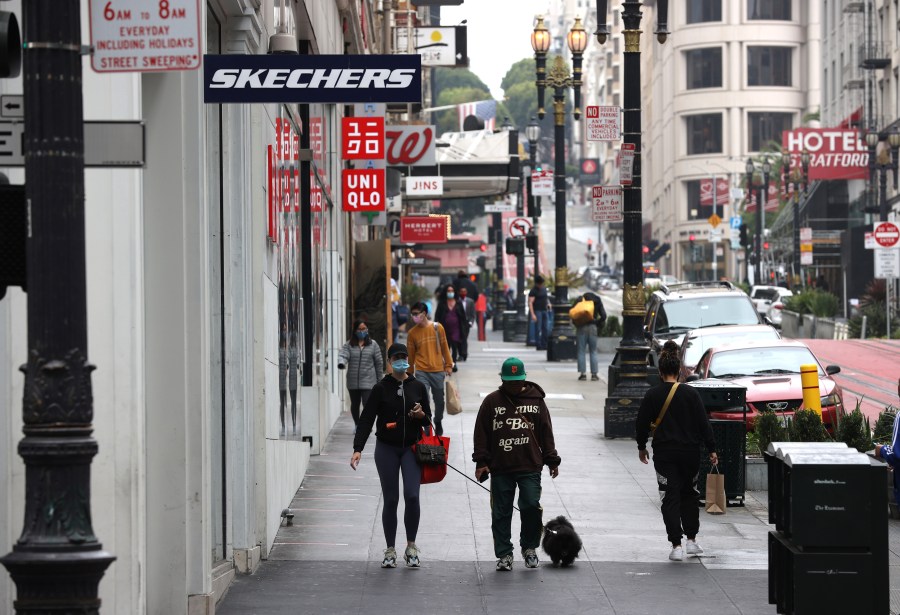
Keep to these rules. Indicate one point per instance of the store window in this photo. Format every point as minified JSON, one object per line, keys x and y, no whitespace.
{"x":769,"y":66}
{"x":704,"y":134}
{"x":696,"y":211}
{"x":701,"y":11}
{"x":776,"y":10}
{"x":766,"y":128}
{"x":703,"y":68}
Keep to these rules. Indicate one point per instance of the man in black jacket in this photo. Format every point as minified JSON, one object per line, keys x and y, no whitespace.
{"x":681,"y":427}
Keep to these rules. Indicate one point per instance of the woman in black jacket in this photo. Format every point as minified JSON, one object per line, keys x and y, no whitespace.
{"x":398,"y":407}
{"x":452,"y":316}
{"x":679,"y":434}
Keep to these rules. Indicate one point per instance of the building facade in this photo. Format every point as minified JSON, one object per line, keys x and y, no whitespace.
{"x":731,"y":77}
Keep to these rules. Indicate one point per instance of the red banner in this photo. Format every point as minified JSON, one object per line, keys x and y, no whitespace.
{"x":706,"y":191}
{"x":834,"y":153}
{"x":423,"y":229}
{"x":771,"y":203}
{"x":362,"y":138}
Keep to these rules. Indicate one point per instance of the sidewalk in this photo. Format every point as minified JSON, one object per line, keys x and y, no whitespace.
{"x":329,"y":561}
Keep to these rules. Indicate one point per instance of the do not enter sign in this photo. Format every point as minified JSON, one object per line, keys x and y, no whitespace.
{"x":886,"y":234}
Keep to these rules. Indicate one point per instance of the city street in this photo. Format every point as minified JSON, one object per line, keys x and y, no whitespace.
{"x":329,"y":561}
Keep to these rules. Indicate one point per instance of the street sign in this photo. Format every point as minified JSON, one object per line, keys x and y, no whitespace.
{"x":106,"y":144}
{"x":363,"y":189}
{"x":542,"y":183}
{"x":714,"y":220}
{"x":12,"y":106}
{"x":499,"y":207}
{"x":626,"y":164}
{"x":607,"y":204}
{"x":806,"y":233}
{"x":735,"y":222}
{"x":141,"y":36}
{"x":715,"y":235}
{"x":519,"y":227}
{"x":869,"y":242}
{"x":602,"y":123}
{"x":887,"y":264}
{"x":886,"y":234}
{"x":438,"y":45}
{"x":806,"y":258}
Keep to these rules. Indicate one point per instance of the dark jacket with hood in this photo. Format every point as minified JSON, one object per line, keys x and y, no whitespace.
{"x":388,"y":409}
{"x":515,"y":439}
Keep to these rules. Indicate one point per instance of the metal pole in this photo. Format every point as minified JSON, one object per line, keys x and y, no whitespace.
{"x":521,"y":333}
{"x":499,"y":299}
{"x":715,"y":256}
{"x":796,"y":206}
{"x":57,"y":562}
{"x":882,"y":189}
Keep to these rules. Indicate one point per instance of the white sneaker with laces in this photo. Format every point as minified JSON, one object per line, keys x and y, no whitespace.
{"x":677,"y":554}
{"x":390,"y":558}
{"x":693,"y":548}
{"x":411,"y":556}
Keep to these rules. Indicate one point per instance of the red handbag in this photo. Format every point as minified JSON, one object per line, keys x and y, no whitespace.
{"x":432,"y":471}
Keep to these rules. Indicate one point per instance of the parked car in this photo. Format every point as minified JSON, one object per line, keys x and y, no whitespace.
{"x":765,"y":296}
{"x":771,"y":373}
{"x":698,"y":341}
{"x":674,"y":310}
{"x":774,"y":314}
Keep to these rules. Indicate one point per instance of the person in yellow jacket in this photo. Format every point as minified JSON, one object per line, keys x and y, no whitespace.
{"x":429,"y":357}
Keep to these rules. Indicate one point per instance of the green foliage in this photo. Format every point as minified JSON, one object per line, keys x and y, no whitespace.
{"x":522,"y":71}
{"x":612,"y":327}
{"x":854,"y":430}
{"x":649,"y":290}
{"x":876,"y":322}
{"x":413,"y":293}
{"x":812,"y":301}
{"x":768,"y":428}
{"x":448,"y":78}
{"x":884,"y":426}
{"x":744,"y":286}
{"x":807,"y":427}
{"x":751,"y":444}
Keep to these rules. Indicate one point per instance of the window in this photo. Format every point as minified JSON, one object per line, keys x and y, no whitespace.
{"x":769,"y":66}
{"x":704,"y":68}
{"x":704,"y":134}
{"x":765,"y":127}
{"x":696,"y":211}
{"x":700,"y":11}
{"x":778,"y":10}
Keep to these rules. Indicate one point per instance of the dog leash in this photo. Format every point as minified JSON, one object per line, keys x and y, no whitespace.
{"x":469,"y":478}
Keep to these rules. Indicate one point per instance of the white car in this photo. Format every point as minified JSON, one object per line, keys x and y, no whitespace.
{"x":764,"y":297}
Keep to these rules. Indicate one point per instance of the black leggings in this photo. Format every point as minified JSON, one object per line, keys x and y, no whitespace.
{"x":389,"y":460}
{"x":357,"y":396}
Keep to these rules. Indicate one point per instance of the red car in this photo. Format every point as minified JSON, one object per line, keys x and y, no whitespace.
{"x":698,"y":341}
{"x":771,"y":372}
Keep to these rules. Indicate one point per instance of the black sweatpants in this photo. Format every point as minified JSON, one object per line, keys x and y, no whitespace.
{"x":357,"y":397}
{"x":676,"y":474}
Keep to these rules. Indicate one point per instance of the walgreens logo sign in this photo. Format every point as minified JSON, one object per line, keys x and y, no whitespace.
{"x":834,"y":153}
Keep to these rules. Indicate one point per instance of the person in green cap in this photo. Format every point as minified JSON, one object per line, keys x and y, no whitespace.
{"x":513,"y":442}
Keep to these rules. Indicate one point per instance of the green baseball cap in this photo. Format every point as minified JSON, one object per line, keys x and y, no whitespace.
{"x":513,"y":369}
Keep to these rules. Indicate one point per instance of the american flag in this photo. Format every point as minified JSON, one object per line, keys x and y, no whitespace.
{"x":483,"y":109}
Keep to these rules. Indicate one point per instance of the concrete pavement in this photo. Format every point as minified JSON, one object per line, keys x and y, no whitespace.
{"x":329,"y":561}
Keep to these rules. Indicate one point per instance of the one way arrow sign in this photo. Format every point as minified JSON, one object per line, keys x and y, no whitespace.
{"x":12,"y":106}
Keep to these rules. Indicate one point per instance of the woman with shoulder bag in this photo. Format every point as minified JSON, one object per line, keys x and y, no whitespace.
{"x":679,"y":424}
{"x":398,"y":407}
{"x":361,"y":357}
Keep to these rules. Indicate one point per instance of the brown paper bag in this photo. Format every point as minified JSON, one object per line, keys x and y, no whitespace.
{"x":454,"y":403}
{"x":715,"y":492}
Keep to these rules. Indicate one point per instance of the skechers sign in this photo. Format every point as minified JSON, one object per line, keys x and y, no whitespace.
{"x":341,"y":79}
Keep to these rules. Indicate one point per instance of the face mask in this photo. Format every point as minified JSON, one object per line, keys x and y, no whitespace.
{"x":362,"y":334}
{"x":450,"y":295}
{"x":401,"y":365}
{"x":418,"y":318}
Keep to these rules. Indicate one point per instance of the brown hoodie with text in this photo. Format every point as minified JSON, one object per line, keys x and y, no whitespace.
{"x":518,"y":439}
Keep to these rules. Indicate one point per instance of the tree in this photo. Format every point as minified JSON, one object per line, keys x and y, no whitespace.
{"x":448,"y":121}
{"x":522,"y":71}
{"x":448,"y":78}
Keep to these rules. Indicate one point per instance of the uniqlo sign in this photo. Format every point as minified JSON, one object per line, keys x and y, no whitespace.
{"x":423,"y":229}
{"x":362,"y":138}
{"x":363,"y":189}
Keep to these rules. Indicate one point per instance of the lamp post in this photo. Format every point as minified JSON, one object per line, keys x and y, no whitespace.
{"x":57,"y":561}
{"x":561,"y":344}
{"x":888,"y":161}
{"x":521,"y":325}
{"x":533,"y":133}
{"x":787,"y":178}
{"x":628,"y":373}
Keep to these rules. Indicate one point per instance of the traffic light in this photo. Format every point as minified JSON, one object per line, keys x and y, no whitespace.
{"x":531,"y":241}
{"x":691,"y":240}
{"x":745,"y":236}
{"x":481,"y":261}
{"x":765,"y":245}
{"x":483,"y":247}
{"x":515,"y":246}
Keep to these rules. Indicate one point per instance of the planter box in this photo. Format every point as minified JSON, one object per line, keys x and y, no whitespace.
{"x":809,"y":326}
{"x":825,"y":328}
{"x":790,"y":324}
{"x":757,"y":474}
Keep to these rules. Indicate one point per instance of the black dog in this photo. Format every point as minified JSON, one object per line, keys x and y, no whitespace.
{"x":561,"y":542}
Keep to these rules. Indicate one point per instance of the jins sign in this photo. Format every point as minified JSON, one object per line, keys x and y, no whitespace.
{"x":834,"y":153}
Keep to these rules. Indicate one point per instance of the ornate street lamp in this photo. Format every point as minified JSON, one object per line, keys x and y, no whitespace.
{"x":888,"y":161}
{"x":761,"y":218}
{"x":561,"y":344}
{"x":533,"y":134}
{"x":628,"y":373}
{"x":521,"y":323}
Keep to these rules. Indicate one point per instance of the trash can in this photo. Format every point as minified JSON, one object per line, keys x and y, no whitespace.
{"x":509,"y":325}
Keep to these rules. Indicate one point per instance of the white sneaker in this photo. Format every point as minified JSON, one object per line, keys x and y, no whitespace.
{"x":677,"y":554}
{"x":390,"y":558}
{"x":693,"y":548}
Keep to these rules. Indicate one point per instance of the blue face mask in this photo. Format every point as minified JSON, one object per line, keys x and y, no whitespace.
{"x":400,"y":365}
{"x":451,"y":295}
{"x":362,"y":334}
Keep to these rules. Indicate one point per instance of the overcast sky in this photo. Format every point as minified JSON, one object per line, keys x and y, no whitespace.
{"x":499,"y":34}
